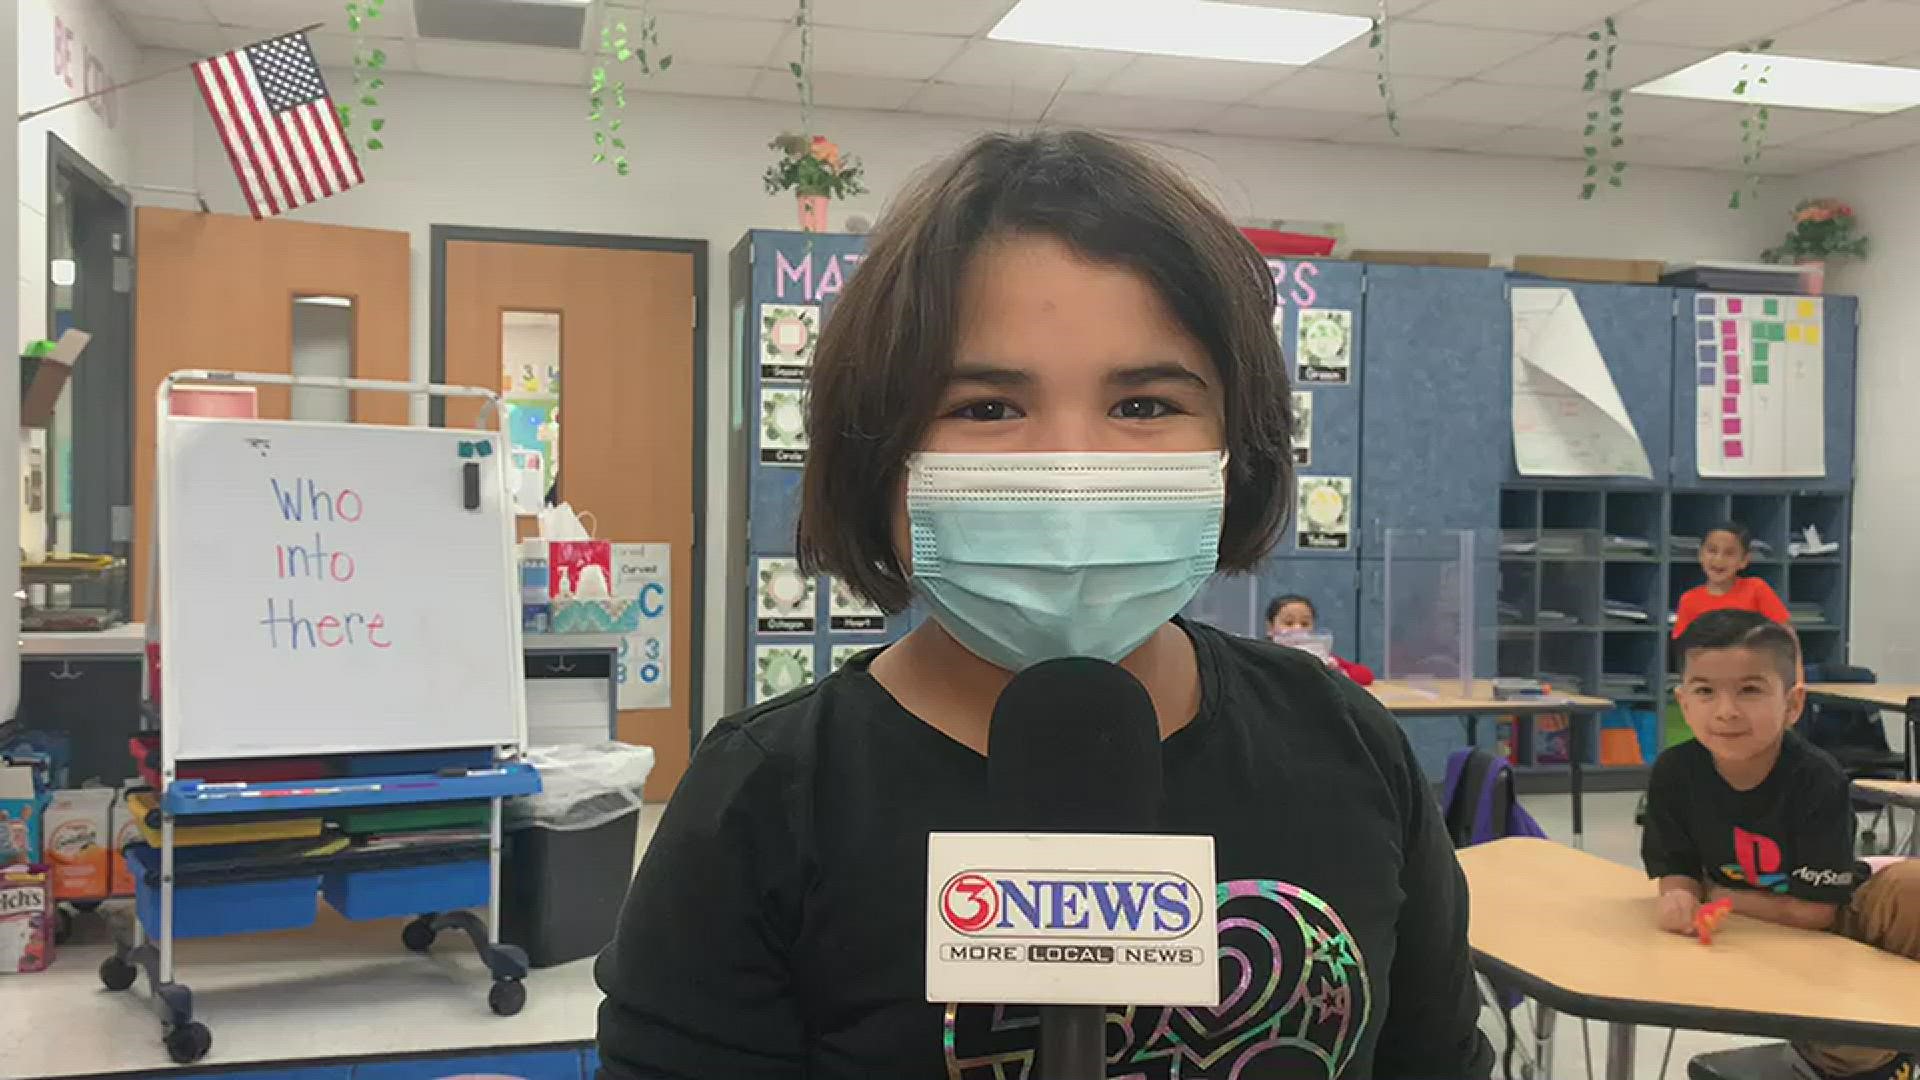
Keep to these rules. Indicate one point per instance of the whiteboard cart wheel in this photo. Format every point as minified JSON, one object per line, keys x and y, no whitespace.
{"x":87,"y":907}
{"x":117,"y":974}
{"x":418,"y":935}
{"x":507,"y":997}
{"x":189,"y":1042}
{"x":62,"y":925}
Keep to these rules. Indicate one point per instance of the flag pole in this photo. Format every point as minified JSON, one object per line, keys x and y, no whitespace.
{"x":45,"y":109}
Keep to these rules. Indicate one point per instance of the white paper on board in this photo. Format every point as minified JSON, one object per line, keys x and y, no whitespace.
{"x":1760,"y":386}
{"x":644,"y":573}
{"x":1568,"y":419}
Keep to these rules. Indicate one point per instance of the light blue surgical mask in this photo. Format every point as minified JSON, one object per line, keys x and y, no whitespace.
{"x":1024,"y":558}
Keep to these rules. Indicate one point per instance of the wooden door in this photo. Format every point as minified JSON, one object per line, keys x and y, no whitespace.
{"x":217,"y":291}
{"x":627,"y":407}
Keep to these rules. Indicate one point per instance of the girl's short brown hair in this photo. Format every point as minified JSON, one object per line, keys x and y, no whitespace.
{"x":883,"y":359}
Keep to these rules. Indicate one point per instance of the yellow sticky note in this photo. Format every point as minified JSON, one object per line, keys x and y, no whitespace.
{"x":1813,"y":333}
{"x":1796,"y":332}
{"x":1806,"y":309}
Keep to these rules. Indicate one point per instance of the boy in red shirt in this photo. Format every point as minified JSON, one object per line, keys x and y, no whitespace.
{"x":1724,"y":553}
{"x":1296,"y":612}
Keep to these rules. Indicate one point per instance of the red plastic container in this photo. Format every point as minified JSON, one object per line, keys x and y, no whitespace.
{"x":1273,"y":242}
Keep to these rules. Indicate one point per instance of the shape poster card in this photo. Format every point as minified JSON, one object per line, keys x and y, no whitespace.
{"x":1568,"y":418}
{"x":784,"y":598}
{"x":849,"y":612}
{"x":787,"y":336}
{"x":844,"y":653}
{"x":1759,"y":370}
{"x":1303,"y":427}
{"x":1326,"y":513}
{"x":783,"y":426}
{"x":1323,"y":345}
{"x":780,"y":669}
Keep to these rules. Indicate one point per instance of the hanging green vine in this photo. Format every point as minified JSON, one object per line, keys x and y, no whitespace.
{"x":369,"y":67}
{"x":1753,"y":125}
{"x":607,"y":87}
{"x":803,"y":68}
{"x":1607,"y":112}
{"x":1383,"y":75}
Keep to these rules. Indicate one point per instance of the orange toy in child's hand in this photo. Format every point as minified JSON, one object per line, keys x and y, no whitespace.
{"x":1709,"y":916}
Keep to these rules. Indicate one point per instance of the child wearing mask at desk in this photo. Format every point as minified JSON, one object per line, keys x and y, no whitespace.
{"x":1751,"y":812}
{"x":1292,"y":614}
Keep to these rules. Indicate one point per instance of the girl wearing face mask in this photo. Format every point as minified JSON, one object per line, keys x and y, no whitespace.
{"x":1048,"y":406}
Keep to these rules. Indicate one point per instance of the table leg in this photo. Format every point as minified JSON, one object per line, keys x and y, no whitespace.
{"x":1473,"y":730}
{"x":1543,"y":1019}
{"x":1620,"y":1051}
{"x":1913,"y":739}
{"x":1576,"y":775}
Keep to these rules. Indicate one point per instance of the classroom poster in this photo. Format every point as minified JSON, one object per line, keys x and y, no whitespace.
{"x":783,"y":426}
{"x":788,"y":333}
{"x":1326,"y":513}
{"x":844,"y":653}
{"x":778,"y":669}
{"x":1303,"y":427}
{"x":1568,"y":418}
{"x":783,"y":598}
{"x":643,"y":573}
{"x":1759,"y":376}
{"x":1323,"y":345}
{"x":850,"y":613}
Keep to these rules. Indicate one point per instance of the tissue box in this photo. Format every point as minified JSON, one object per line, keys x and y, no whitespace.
{"x":579,"y":568}
{"x":593,"y":616}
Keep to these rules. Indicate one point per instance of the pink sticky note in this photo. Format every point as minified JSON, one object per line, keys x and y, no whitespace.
{"x":1729,"y":405}
{"x":1731,"y":362}
{"x":1729,"y":327}
{"x":1730,"y":426}
{"x":1733,"y":306}
{"x":1731,"y":345}
{"x":1732,"y":449}
{"x":1732,"y":387}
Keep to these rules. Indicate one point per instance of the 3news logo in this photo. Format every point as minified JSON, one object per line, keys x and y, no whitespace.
{"x":1041,"y":917}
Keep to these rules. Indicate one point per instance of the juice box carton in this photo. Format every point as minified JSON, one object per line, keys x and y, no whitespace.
{"x":78,"y":831}
{"x":26,"y":919}
{"x":125,"y":831}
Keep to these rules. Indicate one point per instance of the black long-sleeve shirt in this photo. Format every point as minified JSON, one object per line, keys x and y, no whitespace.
{"x":776,"y":927}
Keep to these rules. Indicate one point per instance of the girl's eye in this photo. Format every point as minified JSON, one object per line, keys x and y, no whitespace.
{"x":1144,"y":409}
{"x":987,"y":411}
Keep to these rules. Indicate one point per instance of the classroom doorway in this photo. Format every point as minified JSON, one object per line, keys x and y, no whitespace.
{"x":598,"y":345}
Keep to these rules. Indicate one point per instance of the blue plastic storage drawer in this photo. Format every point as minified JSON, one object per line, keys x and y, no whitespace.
{"x":217,"y":910}
{"x":413,"y":890}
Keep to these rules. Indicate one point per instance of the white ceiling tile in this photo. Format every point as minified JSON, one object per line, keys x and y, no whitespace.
{"x":835,"y":91}
{"x":502,"y":62}
{"x":1652,"y":115}
{"x":707,"y":39}
{"x":1563,"y":62}
{"x":1008,"y":104}
{"x":1783,"y":125}
{"x":1872,"y":31}
{"x":1186,"y":79}
{"x":1490,"y":104}
{"x":1343,"y":91}
{"x":1367,"y":8}
{"x":1035,"y":67}
{"x":1143,"y":114}
{"x":177,"y":10}
{"x":1876,"y":136}
{"x":1533,"y":142}
{"x":700,"y":80}
{"x":845,"y":51}
{"x":1248,"y":120}
{"x":1544,"y":16}
{"x":1715,"y":24}
{"x":291,"y":14}
{"x":203,"y":38}
{"x":1422,"y":48}
{"x":955,"y":17}
{"x":744,"y":9}
{"x":1428,"y":134}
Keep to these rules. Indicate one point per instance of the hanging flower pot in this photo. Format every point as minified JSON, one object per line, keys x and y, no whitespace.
{"x":813,"y":212}
{"x":1813,"y":276}
{"x":1824,"y":231}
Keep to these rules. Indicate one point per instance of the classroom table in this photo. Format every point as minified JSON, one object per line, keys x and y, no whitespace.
{"x":1893,"y":697}
{"x":1408,"y":699}
{"x":1897,"y":793}
{"x":1576,"y":933}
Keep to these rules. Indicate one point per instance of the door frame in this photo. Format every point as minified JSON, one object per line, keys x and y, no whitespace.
{"x":442,"y":235}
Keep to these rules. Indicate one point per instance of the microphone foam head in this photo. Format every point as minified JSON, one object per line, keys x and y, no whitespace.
{"x":1075,"y":747}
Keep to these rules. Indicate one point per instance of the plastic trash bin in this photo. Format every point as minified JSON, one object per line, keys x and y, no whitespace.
{"x":568,"y":851}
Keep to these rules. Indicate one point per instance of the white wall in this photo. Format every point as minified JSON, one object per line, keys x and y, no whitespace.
{"x":496,"y":154}
{"x":9,"y":403}
{"x":1886,"y":458}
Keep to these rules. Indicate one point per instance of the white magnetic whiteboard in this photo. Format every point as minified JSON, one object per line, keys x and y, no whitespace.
{"x":324,"y":589}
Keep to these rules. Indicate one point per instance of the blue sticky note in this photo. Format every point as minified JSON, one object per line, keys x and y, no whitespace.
{"x":1705,"y":327}
{"x":1703,"y":306}
{"x":1706,"y":375}
{"x":1707,"y":354}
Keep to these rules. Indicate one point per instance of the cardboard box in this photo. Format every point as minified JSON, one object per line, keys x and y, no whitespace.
{"x":1458,"y":260}
{"x":77,"y":828}
{"x":1612,"y":271}
{"x":44,"y":372}
{"x":126,"y":830}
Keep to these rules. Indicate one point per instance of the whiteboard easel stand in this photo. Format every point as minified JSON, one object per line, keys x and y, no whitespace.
{"x":171,"y":1000}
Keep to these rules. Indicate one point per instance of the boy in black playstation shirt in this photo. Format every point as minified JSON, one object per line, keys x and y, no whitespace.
{"x":1751,"y":812}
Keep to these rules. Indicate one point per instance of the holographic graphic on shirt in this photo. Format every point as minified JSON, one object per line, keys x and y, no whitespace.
{"x":1295,"y":1000}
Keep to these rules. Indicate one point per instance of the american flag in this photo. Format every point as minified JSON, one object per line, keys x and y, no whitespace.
{"x":282,"y":135}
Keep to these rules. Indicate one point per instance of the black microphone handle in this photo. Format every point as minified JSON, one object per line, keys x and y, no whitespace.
{"x":1073,"y":1042}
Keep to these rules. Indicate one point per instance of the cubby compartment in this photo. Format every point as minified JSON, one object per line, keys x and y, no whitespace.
{"x":1827,"y":513}
{"x":1520,"y":510}
{"x":1633,"y":526}
{"x":1569,"y":596}
{"x":1694,"y":513}
{"x":1816,"y":595}
{"x":1629,"y":666}
{"x":1822,"y":646}
{"x":1519,"y":587}
{"x":1570,"y":662}
{"x":1517,"y":655}
{"x":1571,"y":510}
{"x":1631,"y":596}
{"x":1765,"y":517}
